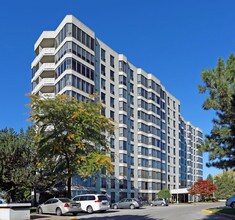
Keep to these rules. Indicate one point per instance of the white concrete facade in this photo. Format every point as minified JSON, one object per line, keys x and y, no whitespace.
{"x":152,"y":142}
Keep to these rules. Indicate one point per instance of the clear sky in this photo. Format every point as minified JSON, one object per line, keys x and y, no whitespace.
{"x":174,"y":40}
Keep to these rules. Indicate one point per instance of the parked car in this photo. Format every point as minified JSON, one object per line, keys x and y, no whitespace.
{"x":92,"y":202}
{"x":127,"y":204}
{"x":59,"y":206}
{"x":230,"y":201}
{"x":159,"y":201}
{"x":2,"y":201}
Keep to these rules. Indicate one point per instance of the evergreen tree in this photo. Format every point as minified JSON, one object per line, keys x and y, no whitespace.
{"x":219,"y":84}
{"x":225,"y":184}
{"x":210,"y":178}
{"x":19,"y":170}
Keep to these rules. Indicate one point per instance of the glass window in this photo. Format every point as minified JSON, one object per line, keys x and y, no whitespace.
{"x":111,"y":61}
{"x":103,"y":54}
{"x":102,"y":69}
{"x":103,"y":97}
{"x":112,"y":75}
{"x":103,"y":83}
{"x":112,"y":89}
{"x":112,"y":114}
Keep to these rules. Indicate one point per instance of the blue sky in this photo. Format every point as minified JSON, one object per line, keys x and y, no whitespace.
{"x":174,"y":40}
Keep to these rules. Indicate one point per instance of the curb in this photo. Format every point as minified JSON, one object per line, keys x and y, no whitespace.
{"x":207,"y":211}
{"x":221,"y":214}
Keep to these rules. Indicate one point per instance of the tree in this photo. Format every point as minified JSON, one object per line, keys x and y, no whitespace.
{"x":203,"y":188}
{"x":38,"y":179}
{"x":71,"y":136}
{"x":13,"y":162}
{"x":210,"y":178}
{"x":225,"y":184}
{"x":19,"y":165}
{"x":219,"y":83}
{"x":164,"y":193}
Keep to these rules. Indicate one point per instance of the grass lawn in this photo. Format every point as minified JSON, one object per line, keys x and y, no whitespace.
{"x":229,"y":211}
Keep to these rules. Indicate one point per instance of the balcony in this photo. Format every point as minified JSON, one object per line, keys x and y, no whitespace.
{"x":46,"y":86}
{"x":48,"y":68}
{"x":45,"y":55}
{"x":47,"y":39}
{"x":48,"y":95}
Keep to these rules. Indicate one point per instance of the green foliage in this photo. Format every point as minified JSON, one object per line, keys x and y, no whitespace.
{"x":225,"y":184}
{"x":13,"y":161}
{"x":219,"y":84}
{"x":71,"y":136}
{"x":164,"y":193}
{"x":19,"y":172}
{"x":210,"y":178}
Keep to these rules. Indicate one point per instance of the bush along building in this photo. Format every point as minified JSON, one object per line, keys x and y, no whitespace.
{"x":154,"y":146}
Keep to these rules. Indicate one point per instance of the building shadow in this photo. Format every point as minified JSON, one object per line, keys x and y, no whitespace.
{"x":121,"y":217}
{"x":82,"y":216}
{"x":43,"y":217}
{"x":218,"y":217}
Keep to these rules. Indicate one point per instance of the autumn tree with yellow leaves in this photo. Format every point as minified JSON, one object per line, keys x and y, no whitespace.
{"x":71,"y":136}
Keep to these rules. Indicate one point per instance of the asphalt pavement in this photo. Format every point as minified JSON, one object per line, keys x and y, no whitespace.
{"x":172,"y":212}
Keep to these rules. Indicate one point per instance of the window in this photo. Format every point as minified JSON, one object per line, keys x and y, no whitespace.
{"x":112,"y":143}
{"x":112,"y":156}
{"x":112,"y":114}
{"x":122,"y":106}
{"x":112,"y":75}
{"x":131,"y":74}
{"x":111,"y":61}
{"x":103,"y":84}
{"x":112,"y":89}
{"x":112,"y":183}
{"x":122,"y":80}
{"x":122,"y":145}
{"x":122,"y":119}
{"x":112,"y":102}
{"x":103,"y":55}
{"x":131,"y":87}
{"x":103,"y":97}
{"x":123,"y":93}
{"x":102,"y":69}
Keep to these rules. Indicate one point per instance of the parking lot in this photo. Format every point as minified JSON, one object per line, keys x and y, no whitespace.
{"x":172,"y":212}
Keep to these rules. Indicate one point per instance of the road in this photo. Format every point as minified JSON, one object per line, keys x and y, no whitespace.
{"x":172,"y":212}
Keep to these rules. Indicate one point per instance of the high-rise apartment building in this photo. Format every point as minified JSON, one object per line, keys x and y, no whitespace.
{"x":154,"y":147}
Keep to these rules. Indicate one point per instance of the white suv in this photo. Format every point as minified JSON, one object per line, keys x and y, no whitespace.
{"x":92,"y":202}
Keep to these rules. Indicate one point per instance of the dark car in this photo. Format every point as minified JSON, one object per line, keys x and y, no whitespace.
{"x":127,"y":204}
{"x":230,"y":201}
{"x":159,"y":202}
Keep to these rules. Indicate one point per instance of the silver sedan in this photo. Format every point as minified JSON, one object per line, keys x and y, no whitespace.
{"x":127,"y":204}
{"x":59,"y":206}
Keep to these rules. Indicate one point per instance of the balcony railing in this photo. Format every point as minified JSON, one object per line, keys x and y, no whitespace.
{"x":42,"y":68}
{"x":43,"y":52}
{"x":42,"y":83}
